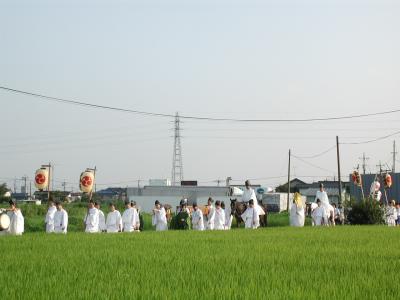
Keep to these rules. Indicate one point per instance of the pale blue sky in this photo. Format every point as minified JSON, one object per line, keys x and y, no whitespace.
{"x":264,"y":59}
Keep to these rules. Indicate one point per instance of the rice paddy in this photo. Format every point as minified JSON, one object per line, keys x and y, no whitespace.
{"x":348,"y":262}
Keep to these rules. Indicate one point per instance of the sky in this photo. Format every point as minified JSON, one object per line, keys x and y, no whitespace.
{"x":223,"y":59}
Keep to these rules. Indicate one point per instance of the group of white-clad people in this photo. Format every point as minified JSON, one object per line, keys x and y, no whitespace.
{"x":218,"y":216}
{"x":16,"y":221}
{"x":322,"y":212}
{"x":95,"y":220}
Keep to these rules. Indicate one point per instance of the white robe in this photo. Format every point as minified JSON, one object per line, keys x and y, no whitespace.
{"x":228,"y":218}
{"x":210,"y":217}
{"x":219,"y":219}
{"x":60,"y":221}
{"x":391,"y":216}
{"x":159,"y":219}
{"x":92,"y":220}
{"x":49,"y":220}
{"x":319,"y":216}
{"x":114,"y":221}
{"x":297,"y":215}
{"x":250,"y":194}
{"x":323,"y":196}
{"x":251,"y":218}
{"x":17,"y":222}
{"x":102,"y":221}
{"x":130,"y":220}
{"x":197,"y":220}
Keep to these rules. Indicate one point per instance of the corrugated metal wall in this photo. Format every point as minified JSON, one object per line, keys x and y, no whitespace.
{"x":392,"y":193}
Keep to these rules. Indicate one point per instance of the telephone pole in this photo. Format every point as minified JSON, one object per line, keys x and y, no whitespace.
{"x":394,"y":157}
{"x":288,"y":181}
{"x":364,"y":162}
{"x":338,"y":166}
{"x":177,"y":165}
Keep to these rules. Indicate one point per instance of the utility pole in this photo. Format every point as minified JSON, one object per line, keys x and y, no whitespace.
{"x":394,"y":157}
{"x":49,"y":168}
{"x":364,"y":162}
{"x":30,"y":189}
{"x":338,"y":165}
{"x":177,"y":165}
{"x":288,"y":182}
{"x":380,"y":167}
{"x":64,"y":184}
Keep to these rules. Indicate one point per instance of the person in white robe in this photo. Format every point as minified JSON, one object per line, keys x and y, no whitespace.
{"x":219,"y":218}
{"x":210,"y":215}
{"x":130,"y":218}
{"x":391,"y":214}
{"x":49,"y":220}
{"x":398,"y":214}
{"x":92,"y":219}
{"x":228,"y":215}
{"x":197,"y":218}
{"x":159,"y":217}
{"x":250,"y":194}
{"x":17,"y":221}
{"x":297,"y":216}
{"x":319,"y":214}
{"x":60,"y":219}
{"x":250,"y":216}
{"x":322,"y":196}
{"x":102,"y":218}
{"x":114,"y":220}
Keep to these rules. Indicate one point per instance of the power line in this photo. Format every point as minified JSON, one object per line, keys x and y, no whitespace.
{"x":371,"y":141}
{"x":313,"y":165}
{"x":317,"y":155}
{"x":154,"y":114}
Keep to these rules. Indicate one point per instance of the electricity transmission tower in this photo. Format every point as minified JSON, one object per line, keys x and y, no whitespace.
{"x":177,"y":165}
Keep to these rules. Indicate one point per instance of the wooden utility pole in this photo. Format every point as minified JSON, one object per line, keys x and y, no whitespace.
{"x":364,"y":162}
{"x":94,"y":182}
{"x":394,"y":157}
{"x":288,"y":182}
{"x":338,"y":165}
{"x":49,"y":179}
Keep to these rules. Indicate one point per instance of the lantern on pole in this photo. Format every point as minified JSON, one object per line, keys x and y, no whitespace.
{"x":86,"y":181}
{"x":387,"y":180}
{"x":356,"y":177}
{"x":42,"y":178}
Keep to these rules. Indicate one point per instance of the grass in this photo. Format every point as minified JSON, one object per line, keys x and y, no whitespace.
{"x":271,"y":263}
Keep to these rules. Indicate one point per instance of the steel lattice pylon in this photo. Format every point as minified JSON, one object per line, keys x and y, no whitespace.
{"x":177,"y":165}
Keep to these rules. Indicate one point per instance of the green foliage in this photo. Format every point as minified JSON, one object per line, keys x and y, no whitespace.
{"x":272,"y":263}
{"x":3,"y":190}
{"x":365,"y":212}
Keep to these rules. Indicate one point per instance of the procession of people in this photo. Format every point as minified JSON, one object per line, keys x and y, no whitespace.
{"x":215,"y":215}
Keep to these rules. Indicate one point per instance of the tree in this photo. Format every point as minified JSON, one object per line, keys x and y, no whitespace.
{"x":367,"y":211}
{"x":3,"y":189}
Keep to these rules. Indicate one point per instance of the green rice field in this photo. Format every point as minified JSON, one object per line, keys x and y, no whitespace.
{"x":344,"y":262}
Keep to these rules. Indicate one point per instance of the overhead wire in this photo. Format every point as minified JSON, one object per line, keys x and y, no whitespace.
{"x":156,"y":114}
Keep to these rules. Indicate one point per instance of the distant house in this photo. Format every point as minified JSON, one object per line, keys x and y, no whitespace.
{"x":19,"y":196}
{"x":294,"y":184}
{"x":331,"y":188}
{"x":111,"y":194}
